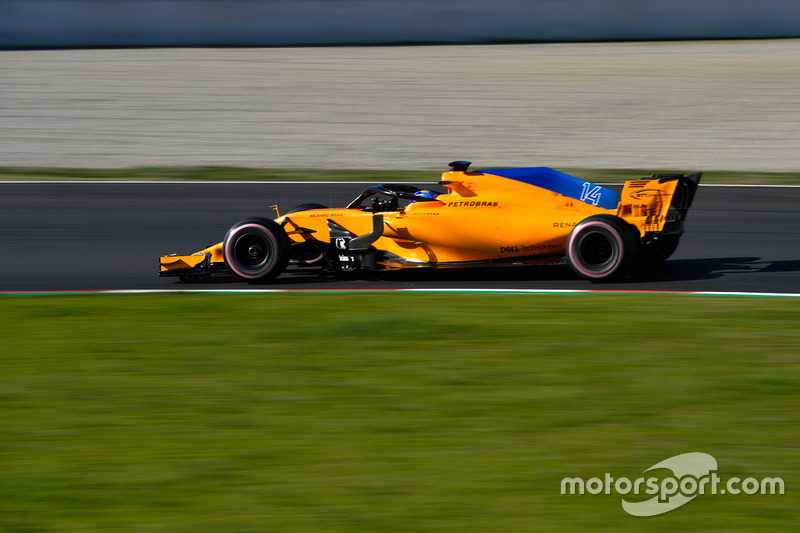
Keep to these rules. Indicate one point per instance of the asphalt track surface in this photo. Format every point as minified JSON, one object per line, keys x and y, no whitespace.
{"x":108,"y":236}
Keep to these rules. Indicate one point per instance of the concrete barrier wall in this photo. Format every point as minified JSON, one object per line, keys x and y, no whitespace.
{"x":81,"y":23}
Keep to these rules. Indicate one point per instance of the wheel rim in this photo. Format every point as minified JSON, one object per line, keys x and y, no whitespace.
{"x":598,"y":252}
{"x":252,"y":252}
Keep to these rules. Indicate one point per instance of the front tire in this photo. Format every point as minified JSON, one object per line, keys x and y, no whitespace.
{"x":602,"y":248}
{"x":256,"y":250}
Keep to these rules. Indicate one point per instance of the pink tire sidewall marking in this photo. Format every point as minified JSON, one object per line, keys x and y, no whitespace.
{"x":261,"y":231}
{"x":579,"y":266}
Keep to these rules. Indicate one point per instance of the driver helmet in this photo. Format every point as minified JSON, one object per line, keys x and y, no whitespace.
{"x":424,"y":193}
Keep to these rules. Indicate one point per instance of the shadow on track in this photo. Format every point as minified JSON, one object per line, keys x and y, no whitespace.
{"x":718,"y":267}
{"x":679,"y":270}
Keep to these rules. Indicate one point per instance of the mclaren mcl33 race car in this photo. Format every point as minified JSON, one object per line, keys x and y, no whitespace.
{"x":515,"y":216}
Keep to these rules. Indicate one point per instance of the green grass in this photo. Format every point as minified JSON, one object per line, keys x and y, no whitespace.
{"x":388,"y":412}
{"x":375,"y":176}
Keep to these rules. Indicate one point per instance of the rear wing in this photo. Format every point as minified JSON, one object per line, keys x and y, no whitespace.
{"x":659,"y":203}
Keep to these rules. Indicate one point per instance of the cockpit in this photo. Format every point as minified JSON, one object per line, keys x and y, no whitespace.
{"x":391,"y":197}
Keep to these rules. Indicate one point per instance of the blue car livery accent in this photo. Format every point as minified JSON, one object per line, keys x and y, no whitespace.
{"x":561,"y":183}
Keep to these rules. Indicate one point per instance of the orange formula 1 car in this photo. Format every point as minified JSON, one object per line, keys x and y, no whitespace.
{"x":517,"y":216}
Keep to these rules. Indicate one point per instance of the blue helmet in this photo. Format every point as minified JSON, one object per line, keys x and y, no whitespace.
{"x":424,"y":193}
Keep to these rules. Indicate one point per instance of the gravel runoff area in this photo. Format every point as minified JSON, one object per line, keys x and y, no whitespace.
{"x":726,"y":105}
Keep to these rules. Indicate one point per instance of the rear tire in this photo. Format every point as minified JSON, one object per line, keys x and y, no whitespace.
{"x":602,"y":248}
{"x":256,"y":250}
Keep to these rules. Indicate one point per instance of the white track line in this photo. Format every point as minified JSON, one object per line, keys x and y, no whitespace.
{"x":188,"y":182}
{"x":450,"y":291}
